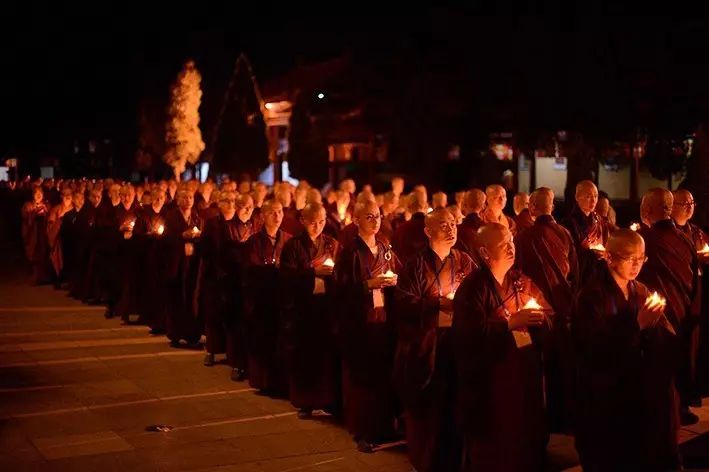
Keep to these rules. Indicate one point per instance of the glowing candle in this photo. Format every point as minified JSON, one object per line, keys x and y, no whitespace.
{"x":450,"y":296}
{"x":598,"y":247}
{"x":388,"y":274}
{"x":161,"y":229}
{"x":195,"y":230}
{"x":705,"y":249}
{"x":329,"y":263}
{"x":532,"y":305}
{"x":635,"y":226}
{"x":655,"y":301}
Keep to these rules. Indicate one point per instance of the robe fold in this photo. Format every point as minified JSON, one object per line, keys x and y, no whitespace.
{"x":409,"y":238}
{"x":672,"y":270}
{"x":500,"y":397}
{"x":267,"y":361}
{"x":547,"y":255}
{"x":423,"y":364}
{"x":181,"y":276}
{"x":366,"y":336}
{"x":102,"y":276}
{"x":586,"y":231}
{"x":523,"y":220}
{"x":128,"y":263}
{"x":152,"y":287}
{"x":467,"y":232}
{"x":69,"y":237}
{"x":85,"y":221}
{"x":627,"y":415}
{"x":313,"y":373}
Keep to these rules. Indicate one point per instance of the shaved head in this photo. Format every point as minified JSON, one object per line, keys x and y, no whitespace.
{"x":586,"y":196}
{"x":440,"y":200}
{"x":474,"y":201}
{"x":683,"y":206}
{"x":624,"y":241}
{"x":495,"y":247}
{"x":441,"y":228}
{"x":311,"y":211}
{"x":626,"y":254}
{"x":541,"y":202}
{"x":656,"y":205}
{"x":496,"y":198}
{"x":520,"y":202}
{"x":490,"y":234}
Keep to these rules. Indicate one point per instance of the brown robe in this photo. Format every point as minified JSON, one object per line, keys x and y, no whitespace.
{"x":34,"y":236}
{"x":409,"y":238}
{"x":312,"y":369}
{"x":102,"y":277}
{"x":626,"y":403}
{"x":84,"y":226}
{"x":523,"y":220}
{"x":500,"y":396}
{"x":152,"y":289}
{"x":181,"y":276}
{"x":56,"y":255}
{"x":366,"y":336}
{"x":69,"y":237}
{"x":264,"y":321}
{"x":423,"y":365}
{"x":467,"y":232}
{"x":128,"y":264}
{"x":291,"y":221}
{"x":504,"y":220}
{"x":672,"y":270}
{"x":585,"y":231}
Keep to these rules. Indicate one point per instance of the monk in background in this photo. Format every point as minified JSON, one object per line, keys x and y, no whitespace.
{"x":496,"y":198}
{"x":520,"y":204}
{"x":473,"y":207}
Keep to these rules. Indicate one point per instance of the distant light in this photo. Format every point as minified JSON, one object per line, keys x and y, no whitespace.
{"x":321,"y":95}
{"x":269,"y":106}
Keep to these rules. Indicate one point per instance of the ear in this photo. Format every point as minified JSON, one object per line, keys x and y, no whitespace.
{"x":484,"y":254}
{"x":427,"y":232}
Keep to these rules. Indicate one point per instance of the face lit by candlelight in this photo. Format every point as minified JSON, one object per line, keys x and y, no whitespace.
{"x":272,"y":212}
{"x":78,"y":200}
{"x":67,"y":198}
{"x":37,"y":195}
{"x":227,"y":204}
{"x":626,"y":254}
{"x":95,"y":197}
{"x":496,"y":198}
{"x":185,"y":200}
{"x":313,"y":218}
{"x":127,"y":194}
{"x":586,"y":196}
{"x":367,"y":218}
{"x":497,"y":248}
{"x":244,"y":207}
{"x":441,"y":228}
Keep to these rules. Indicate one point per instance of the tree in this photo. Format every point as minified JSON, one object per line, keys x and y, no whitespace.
{"x":183,"y":138}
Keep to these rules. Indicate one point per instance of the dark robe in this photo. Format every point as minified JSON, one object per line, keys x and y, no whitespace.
{"x":128,"y":263}
{"x":334,"y":226}
{"x":409,"y":238}
{"x":291,"y":221}
{"x":386,"y":230}
{"x":152,"y":248}
{"x":263,"y":314}
{"x":500,"y":395}
{"x":523,"y":220}
{"x":69,"y":237}
{"x":467,"y":232}
{"x":672,"y":270}
{"x":181,"y":276}
{"x":423,"y":365}
{"x":367,"y":340}
{"x":626,"y":403}
{"x":586,"y":231}
{"x":84,"y":226}
{"x":313,"y":369}
{"x":56,"y":255}
{"x":34,"y":236}
{"x":547,"y":255}
{"x":102,"y":276}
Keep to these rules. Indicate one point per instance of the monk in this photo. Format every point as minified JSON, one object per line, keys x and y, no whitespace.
{"x":365,"y":273}
{"x":85,"y":229}
{"x":440,"y":200}
{"x":409,"y":238}
{"x":520,"y":204}
{"x":152,"y":247}
{"x":496,"y":198}
{"x":423,"y":367}
{"x":54,"y":226}
{"x":397,"y":186}
{"x":340,"y":215}
{"x":547,"y":255}
{"x":291,"y":218}
{"x":497,"y":349}
{"x":606,"y":212}
{"x":390,"y":202}
{"x":182,"y":233}
{"x":673,"y":270}
{"x":266,"y":365}
{"x":682,"y":212}
{"x":70,"y":236}
{"x":34,"y":235}
{"x":587,"y":229}
{"x":473,"y":206}
{"x":626,"y":402}
{"x":307,"y":297}
{"x":128,"y":258}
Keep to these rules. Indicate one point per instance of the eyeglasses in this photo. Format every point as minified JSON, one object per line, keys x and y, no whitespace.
{"x":632,"y":260}
{"x":685,"y":204}
{"x":372,"y":217}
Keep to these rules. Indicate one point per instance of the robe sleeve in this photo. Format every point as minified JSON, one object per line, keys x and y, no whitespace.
{"x":415,"y":308}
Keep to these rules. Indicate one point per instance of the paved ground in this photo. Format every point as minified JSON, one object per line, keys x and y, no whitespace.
{"x":77,"y":392}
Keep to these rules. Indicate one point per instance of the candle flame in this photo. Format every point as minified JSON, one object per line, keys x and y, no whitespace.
{"x":705,"y":249}
{"x":451,"y":295}
{"x":598,"y":247}
{"x":329,"y":263}
{"x":655,"y":300}
{"x":388,"y":274}
{"x":161,"y":229}
{"x":195,"y":229}
{"x":532,"y":304}
{"x":635,"y":226}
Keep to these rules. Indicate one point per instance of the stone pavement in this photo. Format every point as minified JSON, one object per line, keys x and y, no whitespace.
{"x":77,"y":392}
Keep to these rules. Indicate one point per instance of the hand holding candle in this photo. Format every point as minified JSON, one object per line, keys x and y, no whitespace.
{"x":160,"y":229}
{"x":329,"y":263}
{"x":598,"y":247}
{"x":532,"y":304}
{"x":704,"y":250}
{"x":325,"y":268}
{"x":635,"y":226}
{"x":655,"y":302}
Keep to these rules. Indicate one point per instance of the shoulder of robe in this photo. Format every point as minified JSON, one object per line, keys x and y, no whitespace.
{"x":463,"y":258}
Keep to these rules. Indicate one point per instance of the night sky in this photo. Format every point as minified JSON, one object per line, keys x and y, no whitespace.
{"x":83,"y":72}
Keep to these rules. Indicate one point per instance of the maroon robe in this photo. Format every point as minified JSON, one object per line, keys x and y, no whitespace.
{"x":547,"y":255}
{"x":312,"y":369}
{"x":585,"y":231}
{"x":69,"y":237}
{"x":152,"y":289}
{"x":423,"y":364}
{"x":56,"y":255}
{"x":181,"y":276}
{"x":102,"y":276}
{"x":367,"y":340}
{"x":500,"y":397}
{"x":386,"y":230}
{"x":409,"y":238}
{"x":291,"y":221}
{"x":84,"y":227}
{"x":334,"y":226}
{"x":504,"y":220}
{"x":467,"y":232}
{"x":523,"y":220}
{"x":626,"y":403}
{"x":264,"y":321}
{"x":672,"y":270}
{"x":34,"y":236}
{"x":128,"y":264}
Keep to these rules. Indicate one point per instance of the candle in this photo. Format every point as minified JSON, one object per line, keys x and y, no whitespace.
{"x":429,"y":210}
{"x":635,"y":226}
{"x":655,"y":301}
{"x":329,"y":263}
{"x":451,"y":295}
{"x":161,"y":229}
{"x":597,"y":247}
{"x":132,"y":224}
{"x":195,"y":229}
{"x":388,"y":274}
{"x":532,"y":305}
{"x":704,"y":250}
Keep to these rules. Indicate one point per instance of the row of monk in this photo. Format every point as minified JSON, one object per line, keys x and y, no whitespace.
{"x":475,"y":333}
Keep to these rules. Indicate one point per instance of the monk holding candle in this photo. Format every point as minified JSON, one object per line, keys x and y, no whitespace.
{"x":499,"y":382}
{"x":626,"y":402}
{"x":523,"y":218}
{"x":365,"y":273}
{"x":673,"y":270}
{"x":34,"y":235}
{"x":424,"y":368}
{"x":307,"y":297}
{"x":496,"y":198}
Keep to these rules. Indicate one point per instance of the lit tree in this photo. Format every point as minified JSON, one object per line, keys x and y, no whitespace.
{"x":183,"y":139}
